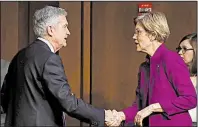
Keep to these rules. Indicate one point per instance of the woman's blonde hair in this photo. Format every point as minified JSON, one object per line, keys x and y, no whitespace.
{"x":154,"y":23}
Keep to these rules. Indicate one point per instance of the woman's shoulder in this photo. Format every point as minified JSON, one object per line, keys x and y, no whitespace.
{"x":170,"y":54}
{"x":170,"y":57}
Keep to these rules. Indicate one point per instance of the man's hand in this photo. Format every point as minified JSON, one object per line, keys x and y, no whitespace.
{"x":113,"y":118}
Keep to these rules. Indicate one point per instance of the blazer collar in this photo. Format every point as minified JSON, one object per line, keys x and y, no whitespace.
{"x":158,"y":53}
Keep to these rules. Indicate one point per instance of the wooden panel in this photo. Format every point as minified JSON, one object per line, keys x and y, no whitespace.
{"x":9,"y":29}
{"x":114,"y":67}
{"x":71,"y":55}
{"x":115,"y":61}
{"x":86,"y":52}
{"x":182,"y":19}
{"x":23,"y":32}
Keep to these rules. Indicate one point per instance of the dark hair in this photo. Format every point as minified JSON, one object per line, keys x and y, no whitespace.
{"x":193,"y":42}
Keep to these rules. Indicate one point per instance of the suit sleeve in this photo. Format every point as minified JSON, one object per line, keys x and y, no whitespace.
{"x":178,"y":75}
{"x":55,"y":80}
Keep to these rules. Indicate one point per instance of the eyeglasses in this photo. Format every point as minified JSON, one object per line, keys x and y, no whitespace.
{"x":138,"y":32}
{"x":184,"y":50}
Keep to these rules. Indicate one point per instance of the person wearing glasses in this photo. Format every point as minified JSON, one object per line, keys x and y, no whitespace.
{"x":187,"y":49}
{"x":163,"y":98}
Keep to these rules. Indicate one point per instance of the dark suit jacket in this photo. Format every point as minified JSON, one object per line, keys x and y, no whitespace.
{"x":36,"y":91}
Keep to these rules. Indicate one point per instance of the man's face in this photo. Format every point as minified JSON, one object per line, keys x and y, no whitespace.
{"x":61,"y":32}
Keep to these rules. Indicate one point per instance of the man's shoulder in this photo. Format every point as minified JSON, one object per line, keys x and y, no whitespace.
{"x":34,"y":53}
{"x":39,"y":45}
{"x":54,"y":57}
{"x":39,"y":49}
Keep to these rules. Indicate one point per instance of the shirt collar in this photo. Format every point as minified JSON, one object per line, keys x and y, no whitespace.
{"x":48,"y":43}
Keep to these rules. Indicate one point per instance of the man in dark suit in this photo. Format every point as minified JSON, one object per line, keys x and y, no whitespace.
{"x":35,"y":90}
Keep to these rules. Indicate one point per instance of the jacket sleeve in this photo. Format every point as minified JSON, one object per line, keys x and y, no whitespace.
{"x":178,"y":74}
{"x":56,"y":82}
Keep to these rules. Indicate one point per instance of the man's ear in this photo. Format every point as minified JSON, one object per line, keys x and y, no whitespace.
{"x":50,"y":30}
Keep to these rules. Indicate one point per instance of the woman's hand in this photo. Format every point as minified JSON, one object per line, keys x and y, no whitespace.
{"x":146,"y":112}
{"x":142,"y":114}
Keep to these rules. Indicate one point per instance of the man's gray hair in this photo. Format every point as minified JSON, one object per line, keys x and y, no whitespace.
{"x":45,"y":17}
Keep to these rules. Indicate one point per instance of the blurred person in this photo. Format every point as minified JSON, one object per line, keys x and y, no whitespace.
{"x":4,"y":69}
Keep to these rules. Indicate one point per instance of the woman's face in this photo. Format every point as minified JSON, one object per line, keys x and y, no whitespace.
{"x":141,"y":38}
{"x":185,"y":50}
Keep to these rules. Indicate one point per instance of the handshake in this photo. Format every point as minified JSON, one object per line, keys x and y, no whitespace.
{"x":114,"y":118}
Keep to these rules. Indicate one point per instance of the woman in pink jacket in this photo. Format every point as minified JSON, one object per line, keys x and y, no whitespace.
{"x":165,"y":93}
